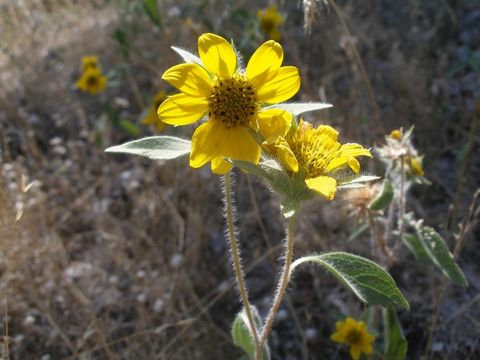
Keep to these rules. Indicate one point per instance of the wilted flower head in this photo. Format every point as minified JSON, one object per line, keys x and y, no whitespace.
{"x":231,"y":98}
{"x":357,"y":201}
{"x":317,"y":156}
{"x":355,"y":334}
{"x":269,"y":20}
{"x":92,"y":81}
{"x":151,"y":117}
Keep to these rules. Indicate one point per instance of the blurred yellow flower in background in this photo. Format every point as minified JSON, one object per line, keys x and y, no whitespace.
{"x":397,"y":134}
{"x":151,"y":117}
{"x":270,"y":20}
{"x":355,"y":334}
{"x":90,"y":62}
{"x":92,"y":81}
{"x":316,"y":155}
{"x":231,"y":98}
{"x":416,"y":166}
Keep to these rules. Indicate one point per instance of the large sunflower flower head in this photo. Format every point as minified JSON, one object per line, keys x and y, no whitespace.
{"x":231,"y":99}
{"x":92,"y":81}
{"x":316,"y":156}
{"x":355,"y":334}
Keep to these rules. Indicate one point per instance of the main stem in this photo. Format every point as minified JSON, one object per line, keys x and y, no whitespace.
{"x":237,"y":265}
{"x":282,"y":286}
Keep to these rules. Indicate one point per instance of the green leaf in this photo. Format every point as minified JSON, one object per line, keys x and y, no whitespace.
{"x":129,"y":127}
{"x":370,"y":282}
{"x":155,"y":147}
{"x":300,"y":108}
{"x":187,"y":56}
{"x":384,"y":198}
{"x":150,"y":7}
{"x":396,"y":344}
{"x":416,"y":247}
{"x":438,"y":252}
{"x":242,"y":334}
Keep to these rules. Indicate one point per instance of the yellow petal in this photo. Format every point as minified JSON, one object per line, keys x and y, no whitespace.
{"x":181,"y":109}
{"x":205,"y":143}
{"x":190,"y":79}
{"x":285,"y":155}
{"x":265,"y":62}
{"x":324,"y":185}
{"x":220,"y":166}
{"x":217,"y":55}
{"x":353,"y":149}
{"x":337,"y":337}
{"x":274,"y":123}
{"x":282,"y":87}
{"x":355,"y":352}
{"x":354,"y":165}
{"x":329,"y":131}
{"x":237,"y":143}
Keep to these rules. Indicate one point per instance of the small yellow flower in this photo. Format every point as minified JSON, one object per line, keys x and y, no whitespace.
{"x":355,"y":334}
{"x":151,"y":118}
{"x":316,"y":155}
{"x":231,"y":99}
{"x":90,"y":62}
{"x":269,"y":20}
{"x":92,"y":81}
{"x":397,"y":134}
{"x":416,"y":166}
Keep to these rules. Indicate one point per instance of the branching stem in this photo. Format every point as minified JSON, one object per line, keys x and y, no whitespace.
{"x":281,"y":288}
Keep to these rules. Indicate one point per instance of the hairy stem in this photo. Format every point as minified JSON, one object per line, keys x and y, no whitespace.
{"x":282,"y":286}
{"x":235,"y":255}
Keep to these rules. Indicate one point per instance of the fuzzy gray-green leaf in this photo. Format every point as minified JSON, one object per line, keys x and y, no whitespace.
{"x":370,"y":282}
{"x":438,"y":252}
{"x":384,"y":198}
{"x":300,"y":108}
{"x":417,"y":248}
{"x":155,"y":147}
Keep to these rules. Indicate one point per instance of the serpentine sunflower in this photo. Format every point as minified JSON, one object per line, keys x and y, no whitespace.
{"x":317,"y":156}
{"x":232,"y":100}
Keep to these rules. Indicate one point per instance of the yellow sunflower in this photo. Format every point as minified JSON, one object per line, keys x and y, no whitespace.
{"x":355,"y":334}
{"x":151,"y":117}
{"x":231,"y":98}
{"x":269,"y":20}
{"x":317,"y":156}
{"x":92,"y":81}
{"x":90,"y":62}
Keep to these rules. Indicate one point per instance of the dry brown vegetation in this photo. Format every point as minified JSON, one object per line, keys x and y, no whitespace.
{"x":112,"y":257}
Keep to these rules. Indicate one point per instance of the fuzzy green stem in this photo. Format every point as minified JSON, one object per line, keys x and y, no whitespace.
{"x":235,"y":252}
{"x":282,"y":286}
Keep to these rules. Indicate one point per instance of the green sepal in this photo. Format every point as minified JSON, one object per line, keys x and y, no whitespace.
{"x":367,"y":280}
{"x":384,"y":198}
{"x":155,"y":147}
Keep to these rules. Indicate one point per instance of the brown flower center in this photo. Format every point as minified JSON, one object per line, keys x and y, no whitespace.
{"x":233,"y":102}
{"x":354,"y":336}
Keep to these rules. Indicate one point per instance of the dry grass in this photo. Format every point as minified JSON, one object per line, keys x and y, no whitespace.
{"x":112,"y":257}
